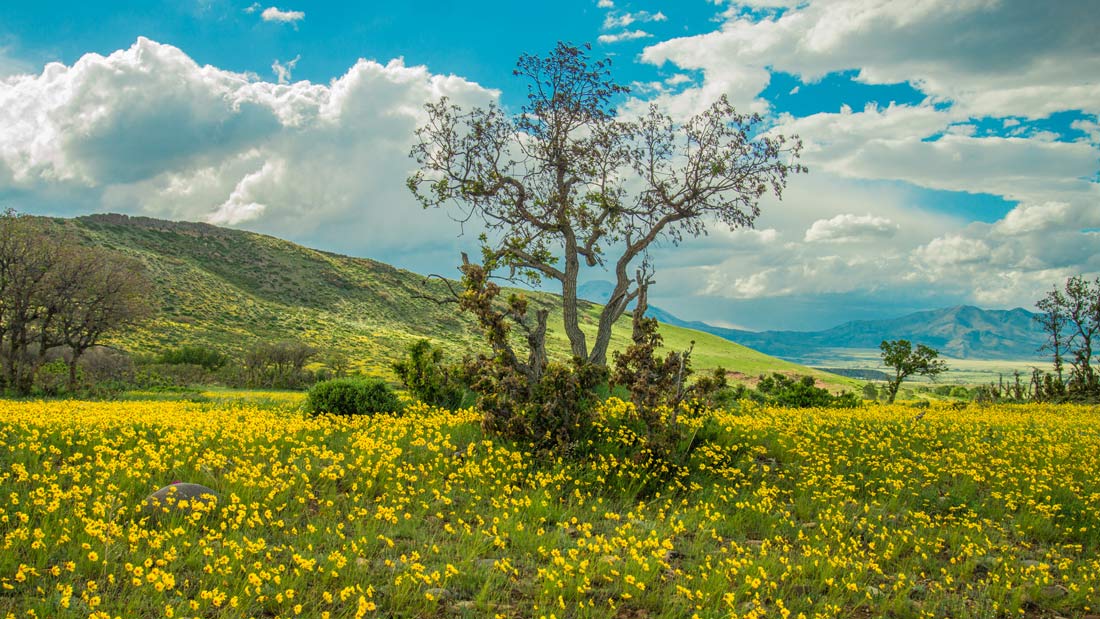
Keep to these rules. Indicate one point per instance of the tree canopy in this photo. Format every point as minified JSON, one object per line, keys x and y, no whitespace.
{"x":568,"y":183}
{"x":58,"y":294}
{"x":907,"y":361}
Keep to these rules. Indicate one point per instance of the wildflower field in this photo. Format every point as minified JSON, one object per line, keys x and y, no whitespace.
{"x":975,"y":512}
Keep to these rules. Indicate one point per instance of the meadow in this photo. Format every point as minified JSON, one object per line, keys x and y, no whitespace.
{"x":878,"y":511}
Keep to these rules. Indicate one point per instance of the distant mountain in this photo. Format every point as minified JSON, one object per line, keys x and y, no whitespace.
{"x":963,"y":332}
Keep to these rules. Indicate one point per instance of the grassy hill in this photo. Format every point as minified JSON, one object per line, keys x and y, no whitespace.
{"x":229,"y":288}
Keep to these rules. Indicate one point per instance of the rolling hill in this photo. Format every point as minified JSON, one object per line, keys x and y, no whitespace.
{"x":229,"y":289}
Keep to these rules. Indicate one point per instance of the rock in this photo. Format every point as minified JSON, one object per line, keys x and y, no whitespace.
{"x":1054,"y":592}
{"x":172,"y":495}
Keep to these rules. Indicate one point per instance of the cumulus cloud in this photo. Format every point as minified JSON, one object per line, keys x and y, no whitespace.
{"x":846,"y":228}
{"x":988,"y":58}
{"x":275,"y":14}
{"x":147,"y":130}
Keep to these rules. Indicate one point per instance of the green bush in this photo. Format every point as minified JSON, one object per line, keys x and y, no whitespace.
{"x":801,"y":392}
{"x":960,"y":392}
{"x":52,"y":378}
{"x":870,"y":392}
{"x":424,"y":374}
{"x":352,"y":396}
{"x":207,"y":358}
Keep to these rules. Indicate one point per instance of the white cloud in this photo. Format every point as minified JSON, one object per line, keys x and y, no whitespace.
{"x":1089,"y":127}
{"x":952,"y":250}
{"x":893,"y":143}
{"x":275,"y":14}
{"x":629,"y":35}
{"x":846,"y":228}
{"x":989,"y":58}
{"x":622,"y":20}
{"x":605,"y":4}
{"x":146,"y":130}
{"x":283,"y":71}
{"x":10,"y":65}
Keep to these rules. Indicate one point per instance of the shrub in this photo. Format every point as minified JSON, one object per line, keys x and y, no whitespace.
{"x":554,"y":412}
{"x":424,"y":374}
{"x":207,"y":358}
{"x":870,"y":392}
{"x":352,"y":396}
{"x":801,"y":392}
{"x":53,"y":378}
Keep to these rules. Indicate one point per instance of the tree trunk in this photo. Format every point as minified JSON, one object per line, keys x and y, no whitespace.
{"x":72,"y":371}
{"x":616,"y":306}
{"x":570,"y":318}
{"x":894,"y":386}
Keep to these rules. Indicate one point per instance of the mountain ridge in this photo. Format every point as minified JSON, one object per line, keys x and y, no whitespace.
{"x":960,"y":331}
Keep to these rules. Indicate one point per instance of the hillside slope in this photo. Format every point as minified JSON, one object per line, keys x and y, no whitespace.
{"x":229,"y":288}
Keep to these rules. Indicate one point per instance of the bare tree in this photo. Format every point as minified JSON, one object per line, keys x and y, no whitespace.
{"x":1071,"y":318}
{"x":99,"y":292}
{"x":1052,"y":318}
{"x":56,"y":292}
{"x":28,"y":257}
{"x":566,"y":180}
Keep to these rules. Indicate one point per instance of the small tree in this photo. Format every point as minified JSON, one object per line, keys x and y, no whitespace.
{"x":566,"y":182}
{"x":110,"y":291}
{"x":1052,"y":318}
{"x":1071,"y":319}
{"x":55,"y":293}
{"x":900,"y":355}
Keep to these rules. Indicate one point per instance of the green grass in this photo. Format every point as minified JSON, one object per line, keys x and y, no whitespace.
{"x":959,"y":371}
{"x":227,"y":289}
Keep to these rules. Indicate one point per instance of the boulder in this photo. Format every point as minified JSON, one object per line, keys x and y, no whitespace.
{"x":171,"y":495}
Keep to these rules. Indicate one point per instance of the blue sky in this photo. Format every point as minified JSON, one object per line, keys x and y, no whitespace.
{"x":953,"y":144}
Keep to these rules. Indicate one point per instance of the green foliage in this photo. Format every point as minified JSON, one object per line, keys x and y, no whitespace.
{"x":554,"y":413}
{"x":958,"y":391}
{"x":652,"y":381}
{"x":352,"y":396}
{"x":906,"y":361}
{"x":169,"y":375}
{"x":1071,"y":319}
{"x":203,"y":356}
{"x":52,"y":378}
{"x":801,"y":392}
{"x":278,"y":365}
{"x":870,"y":392}
{"x":427,"y":377}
